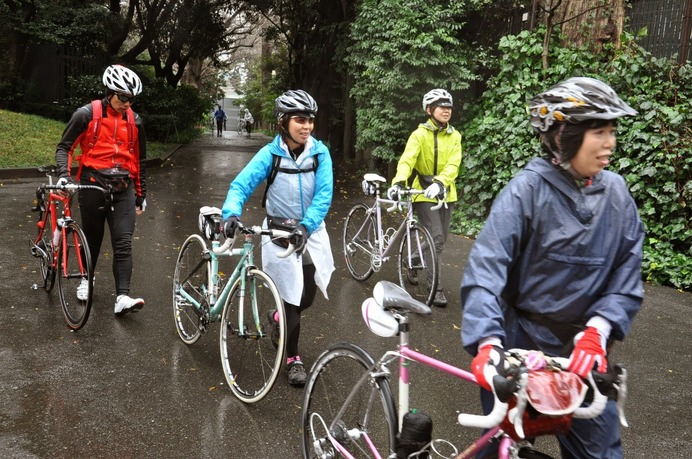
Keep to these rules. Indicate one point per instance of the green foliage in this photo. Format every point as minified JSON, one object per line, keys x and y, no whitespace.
{"x":30,"y":140}
{"x":400,"y":51}
{"x":654,"y":151}
{"x":262,"y":87}
{"x":171,"y":115}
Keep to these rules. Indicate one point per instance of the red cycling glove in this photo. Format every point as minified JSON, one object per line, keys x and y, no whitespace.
{"x":588,"y":351}
{"x":487,"y":355}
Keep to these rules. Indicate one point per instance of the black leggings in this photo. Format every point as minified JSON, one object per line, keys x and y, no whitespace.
{"x":293,"y":312}
{"x":121,"y":224}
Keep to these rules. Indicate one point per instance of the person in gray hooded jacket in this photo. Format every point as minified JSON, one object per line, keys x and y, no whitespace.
{"x":557,"y":266}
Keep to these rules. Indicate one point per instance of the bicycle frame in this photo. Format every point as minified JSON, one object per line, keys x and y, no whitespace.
{"x":386,"y":240}
{"x":57,"y":224}
{"x":405,"y":354}
{"x":393,"y":320}
{"x":216,"y":298}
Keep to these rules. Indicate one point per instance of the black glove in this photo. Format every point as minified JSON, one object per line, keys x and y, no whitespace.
{"x":139,"y":200}
{"x":229,"y":227}
{"x":299,"y":237}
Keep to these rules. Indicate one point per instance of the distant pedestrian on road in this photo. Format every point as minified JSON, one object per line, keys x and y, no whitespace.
{"x":430,"y":162}
{"x":249,"y":121}
{"x":557,"y":266}
{"x":220,"y":117}
{"x":299,"y":198}
{"x":113,"y":147}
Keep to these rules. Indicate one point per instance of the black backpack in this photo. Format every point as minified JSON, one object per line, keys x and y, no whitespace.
{"x":276,"y":160}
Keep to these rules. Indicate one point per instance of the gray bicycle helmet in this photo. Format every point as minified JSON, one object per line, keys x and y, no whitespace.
{"x":123,"y":80}
{"x":439,"y":98}
{"x":295,"y":101}
{"x":575,"y":100}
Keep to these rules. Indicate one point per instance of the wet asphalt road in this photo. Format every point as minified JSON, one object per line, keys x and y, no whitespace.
{"x":129,"y":388}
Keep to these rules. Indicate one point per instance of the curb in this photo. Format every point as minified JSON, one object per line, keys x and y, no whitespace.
{"x":32,"y":172}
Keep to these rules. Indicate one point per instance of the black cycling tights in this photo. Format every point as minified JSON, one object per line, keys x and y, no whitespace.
{"x":293,"y":312}
{"x":121,"y":224}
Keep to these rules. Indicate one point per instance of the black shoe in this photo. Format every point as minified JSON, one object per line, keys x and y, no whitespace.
{"x":412,"y":276}
{"x":296,"y":374}
{"x":274,"y":328}
{"x":440,"y":299}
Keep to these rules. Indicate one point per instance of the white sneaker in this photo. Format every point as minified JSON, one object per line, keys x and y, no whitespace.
{"x":125,"y":304}
{"x":83,"y":290}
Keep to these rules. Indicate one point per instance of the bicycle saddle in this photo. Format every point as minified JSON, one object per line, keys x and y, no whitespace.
{"x":392,"y":296}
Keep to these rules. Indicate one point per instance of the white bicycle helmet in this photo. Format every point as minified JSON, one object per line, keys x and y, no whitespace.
{"x":439,"y":98}
{"x":295,"y":101}
{"x":575,"y":100}
{"x":123,"y":80}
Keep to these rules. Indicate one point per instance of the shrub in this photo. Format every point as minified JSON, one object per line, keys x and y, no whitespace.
{"x":653,"y":153}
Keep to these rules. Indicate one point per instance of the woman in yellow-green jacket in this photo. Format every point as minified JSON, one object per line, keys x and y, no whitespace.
{"x":431,"y":159}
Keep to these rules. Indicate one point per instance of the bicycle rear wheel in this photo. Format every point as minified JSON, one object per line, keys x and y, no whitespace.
{"x":252,"y":343}
{"x":359,"y":241}
{"x":43,"y":250}
{"x":190,"y":288}
{"x":418,"y":265}
{"x":370,"y":413}
{"x":74,"y":266}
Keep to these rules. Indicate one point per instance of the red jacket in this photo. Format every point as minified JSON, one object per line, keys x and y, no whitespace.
{"x":111,"y":146}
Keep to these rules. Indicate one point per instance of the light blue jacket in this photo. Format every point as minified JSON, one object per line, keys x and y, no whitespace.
{"x":305,"y":197}
{"x":551,"y":247}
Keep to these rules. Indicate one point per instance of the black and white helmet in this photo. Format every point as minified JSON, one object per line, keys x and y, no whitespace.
{"x":575,"y":100}
{"x":295,"y":101}
{"x":123,"y":80}
{"x":439,"y":98}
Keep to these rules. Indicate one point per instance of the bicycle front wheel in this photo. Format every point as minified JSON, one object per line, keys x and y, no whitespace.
{"x":368,"y":413}
{"x":359,"y":241}
{"x":74,"y":268}
{"x":190,"y":288}
{"x":418,"y":265}
{"x":252,"y":341}
{"x":241,"y":125}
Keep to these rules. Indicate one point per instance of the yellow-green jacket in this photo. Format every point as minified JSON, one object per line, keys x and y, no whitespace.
{"x":433,"y":152}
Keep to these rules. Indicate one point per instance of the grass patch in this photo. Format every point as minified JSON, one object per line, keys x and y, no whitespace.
{"x":30,"y":141}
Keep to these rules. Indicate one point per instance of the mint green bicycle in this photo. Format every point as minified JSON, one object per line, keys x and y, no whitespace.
{"x":251,"y":338}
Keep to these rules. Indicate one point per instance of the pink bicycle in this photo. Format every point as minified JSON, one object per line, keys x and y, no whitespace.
{"x":348,"y":409}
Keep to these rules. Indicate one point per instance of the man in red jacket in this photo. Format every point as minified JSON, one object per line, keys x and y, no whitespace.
{"x":113,"y":148}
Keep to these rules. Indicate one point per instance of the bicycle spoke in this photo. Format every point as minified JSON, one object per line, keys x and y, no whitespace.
{"x":189,"y":289}
{"x":359,"y":242}
{"x":74,"y":268}
{"x":418,"y":265}
{"x":334,"y":405}
{"x":252,"y":347}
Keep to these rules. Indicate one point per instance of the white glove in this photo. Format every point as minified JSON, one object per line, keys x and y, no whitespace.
{"x":433,"y":191}
{"x":393,"y":192}
{"x":62,"y":181}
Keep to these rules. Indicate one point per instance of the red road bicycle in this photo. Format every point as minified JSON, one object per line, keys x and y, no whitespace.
{"x":61,"y":248}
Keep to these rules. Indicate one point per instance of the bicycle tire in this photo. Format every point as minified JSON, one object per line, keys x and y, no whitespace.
{"x":330,"y":382}
{"x":241,"y":126}
{"x":359,"y":242}
{"x":74,"y":264}
{"x":192,"y":271}
{"x":425,"y":264}
{"x":251,"y":356}
{"x":43,"y":250}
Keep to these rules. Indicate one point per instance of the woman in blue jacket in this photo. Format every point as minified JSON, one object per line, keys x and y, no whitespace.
{"x":557,"y":266}
{"x":299,"y":169}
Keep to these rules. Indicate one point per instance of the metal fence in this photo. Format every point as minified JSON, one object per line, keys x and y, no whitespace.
{"x":668,"y":24}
